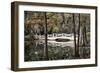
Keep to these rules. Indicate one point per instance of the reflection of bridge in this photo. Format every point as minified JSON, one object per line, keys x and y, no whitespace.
{"x":61,"y":36}
{"x":62,"y":44}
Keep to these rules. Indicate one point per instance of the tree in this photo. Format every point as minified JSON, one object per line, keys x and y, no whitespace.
{"x":83,"y":32}
{"x":45,"y":48}
{"x":74,"y":31}
{"x":78,"y":36}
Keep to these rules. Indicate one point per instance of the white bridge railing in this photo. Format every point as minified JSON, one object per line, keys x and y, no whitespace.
{"x":62,"y":36}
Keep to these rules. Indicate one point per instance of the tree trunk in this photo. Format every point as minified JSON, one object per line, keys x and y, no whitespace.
{"x":63,"y":21}
{"x":85,"y":37}
{"x":45,"y":32}
{"x":78,"y":44}
{"x":74,"y":31}
{"x":74,"y":34}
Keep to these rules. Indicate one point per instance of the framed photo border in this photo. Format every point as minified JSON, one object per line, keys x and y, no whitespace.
{"x":15,"y":33}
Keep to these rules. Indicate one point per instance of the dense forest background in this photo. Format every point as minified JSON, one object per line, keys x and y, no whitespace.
{"x":40,"y":26}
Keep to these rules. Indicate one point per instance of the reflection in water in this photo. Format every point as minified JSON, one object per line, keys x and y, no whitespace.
{"x":65,"y":50}
{"x":34,"y":50}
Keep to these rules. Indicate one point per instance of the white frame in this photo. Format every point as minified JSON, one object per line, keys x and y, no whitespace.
{"x":23,"y":64}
